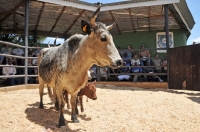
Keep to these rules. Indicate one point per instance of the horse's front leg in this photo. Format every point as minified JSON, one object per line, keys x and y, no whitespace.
{"x":73,"y":105}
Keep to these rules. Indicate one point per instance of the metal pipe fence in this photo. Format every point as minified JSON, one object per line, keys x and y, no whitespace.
{"x":97,"y":74}
{"x":19,"y":57}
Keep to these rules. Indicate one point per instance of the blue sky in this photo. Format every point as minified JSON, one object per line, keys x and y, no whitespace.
{"x":194,"y":6}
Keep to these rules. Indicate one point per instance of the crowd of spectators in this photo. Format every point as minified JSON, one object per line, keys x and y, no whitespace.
{"x":9,"y":69}
{"x":134,"y":62}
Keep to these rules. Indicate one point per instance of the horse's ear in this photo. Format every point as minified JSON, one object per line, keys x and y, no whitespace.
{"x":87,"y":84}
{"x":85,"y":27}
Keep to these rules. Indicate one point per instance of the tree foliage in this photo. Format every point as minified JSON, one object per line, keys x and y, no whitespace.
{"x":18,"y":38}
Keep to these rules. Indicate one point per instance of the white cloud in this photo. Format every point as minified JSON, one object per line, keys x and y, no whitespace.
{"x":197,"y":40}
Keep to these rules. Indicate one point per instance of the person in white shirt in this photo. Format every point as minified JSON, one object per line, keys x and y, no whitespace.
{"x":19,"y":52}
{"x":9,"y":71}
{"x":135,"y":60}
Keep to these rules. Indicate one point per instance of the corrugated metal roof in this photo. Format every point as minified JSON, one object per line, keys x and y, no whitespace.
{"x":182,"y":6}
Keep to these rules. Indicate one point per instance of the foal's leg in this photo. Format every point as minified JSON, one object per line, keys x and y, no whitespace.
{"x":76,"y":108}
{"x":81,"y":102}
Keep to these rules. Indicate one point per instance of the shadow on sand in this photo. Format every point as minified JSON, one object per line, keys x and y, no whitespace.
{"x":193,"y":94}
{"x":48,"y":118}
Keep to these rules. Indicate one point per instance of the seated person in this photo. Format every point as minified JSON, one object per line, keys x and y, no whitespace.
{"x":130,"y":51}
{"x":125,"y":70}
{"x":9,"y":71}
{"x":135,"y":59}
{"x":126,"y":59}
{"x":103,"y":70}
{"x":144,"y":54}
{"x":19,"y":52}
{"x":150,"y":70}
{"x":136,"y":70}
{"x":157,"y":62}
{"x":37,"y":51}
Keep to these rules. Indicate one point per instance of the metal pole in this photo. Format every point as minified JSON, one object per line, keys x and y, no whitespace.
{"x":26,"y":40}
{"x":166,"y":8}
{"x":35,"y":37}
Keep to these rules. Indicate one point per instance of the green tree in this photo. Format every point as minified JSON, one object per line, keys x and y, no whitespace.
{"x":18,"y":38}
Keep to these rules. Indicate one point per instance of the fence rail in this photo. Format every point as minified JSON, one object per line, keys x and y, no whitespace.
{"x":97,"y":74}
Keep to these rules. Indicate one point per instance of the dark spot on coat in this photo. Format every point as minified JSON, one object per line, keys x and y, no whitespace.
{"x":73,"y":44}
{"x":47,"y":68}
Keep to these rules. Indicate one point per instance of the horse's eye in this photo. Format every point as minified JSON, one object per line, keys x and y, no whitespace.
{"x":103,"y":38}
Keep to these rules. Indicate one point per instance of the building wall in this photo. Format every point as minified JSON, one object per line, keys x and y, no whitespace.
{"x":139,"y":38}
{"x":146,"y":38}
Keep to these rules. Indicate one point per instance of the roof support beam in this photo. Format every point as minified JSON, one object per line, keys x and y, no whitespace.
{"x":172,"y":14}
{"x":3,"y":19}
{"x":63,"y":9}
{"x":129,"y":10}
{"x":9,"y":13}
{"x":31,"y":32}
{"x":15,"y":23}
{"x":113,"y":21}
{"x":106,"y":20}
{"x":39,"y":17}
{"x":69,"y":28}
{"x":159,"y":16}
{"x":149,"y":9}
{"x":13,"y":10}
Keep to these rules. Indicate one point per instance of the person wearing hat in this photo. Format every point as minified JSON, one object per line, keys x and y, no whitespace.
{"x":10,"y":70}
{"x":144,"y":54}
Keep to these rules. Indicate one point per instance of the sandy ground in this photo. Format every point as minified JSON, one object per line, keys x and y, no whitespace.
{"x":117,"y":109}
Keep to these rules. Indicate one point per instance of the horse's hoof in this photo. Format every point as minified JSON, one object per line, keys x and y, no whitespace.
{"x":57,"y":109}
{"x":75,"y":121}
{"x":41,"y":106}
{"x":61,"y":124}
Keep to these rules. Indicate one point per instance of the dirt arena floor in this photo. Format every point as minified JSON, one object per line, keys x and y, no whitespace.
{"x":117,"y":109}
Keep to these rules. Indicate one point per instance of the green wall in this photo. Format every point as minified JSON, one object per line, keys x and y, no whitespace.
{"x":139,"y":38}
{"x":146,"y":38}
